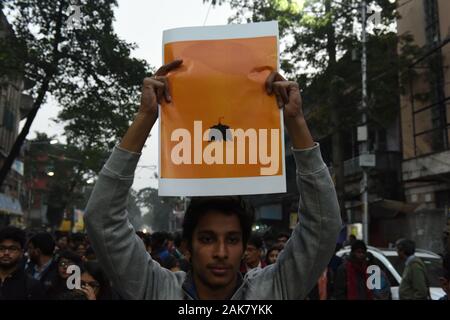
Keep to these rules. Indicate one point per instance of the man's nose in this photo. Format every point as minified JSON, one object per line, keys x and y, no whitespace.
{"x":221,"y":250}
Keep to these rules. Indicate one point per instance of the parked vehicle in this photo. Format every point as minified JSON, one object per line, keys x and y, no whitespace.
{"x":390,"y":263}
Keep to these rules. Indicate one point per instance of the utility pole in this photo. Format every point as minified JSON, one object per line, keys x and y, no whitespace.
{"x":362,"y":130}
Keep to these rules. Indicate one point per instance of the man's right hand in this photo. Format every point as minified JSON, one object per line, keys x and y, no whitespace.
{"x":155,"y":89}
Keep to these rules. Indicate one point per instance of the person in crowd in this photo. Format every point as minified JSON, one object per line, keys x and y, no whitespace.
{"x":75,"y":240}
{"x":282,"y":238}
{"x":62,"y":241}
{"x":159,"y":247}
{"x":333,"y":266}
{"x":15,"y":283}
{"x":94,"y":283}
{"x":351,"y":276}
{"x":383,"y":292}
{"x":351,"y":239}
{"x":42,"y":265}
{"x":252,"y":256}
{"x":216,"y":229}
{"x":81,"y":249}
{"x":172,"y":263}
{"x":272,"y":254}
{"x":182,"y":253}
{"x":414,"y":284}
{"x":65,"y":260}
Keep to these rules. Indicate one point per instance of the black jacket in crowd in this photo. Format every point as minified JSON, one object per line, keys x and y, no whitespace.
{"x":21,"y":286}
{"x":49,"y":276}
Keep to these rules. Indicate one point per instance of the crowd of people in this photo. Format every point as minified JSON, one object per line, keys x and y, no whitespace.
{"x":35,"y":266}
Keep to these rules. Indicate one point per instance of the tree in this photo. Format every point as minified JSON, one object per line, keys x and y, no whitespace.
{"x":320,"y":48}
{"x":88,"y":70}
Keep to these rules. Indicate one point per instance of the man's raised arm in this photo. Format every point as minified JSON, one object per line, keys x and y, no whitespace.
{"x":120,"y":251}
{"x":308,"y":251}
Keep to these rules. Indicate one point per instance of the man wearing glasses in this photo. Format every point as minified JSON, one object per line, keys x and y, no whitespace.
{"x":15,"y":284}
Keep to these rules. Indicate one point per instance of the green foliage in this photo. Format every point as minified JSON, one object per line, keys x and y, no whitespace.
{"x":88,"y":68}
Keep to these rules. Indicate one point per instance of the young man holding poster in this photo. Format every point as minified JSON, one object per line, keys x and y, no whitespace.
{"x":215,"y":228}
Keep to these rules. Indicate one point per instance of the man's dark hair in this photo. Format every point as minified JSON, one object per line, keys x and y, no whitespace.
{"x":14,"y":234}
{"x":283,"y":235}
{"x":44,"y":242}
{"x":199,"y":206}
{"x":158,"y":240}
{"x":256,"y":241}
{"x":60,"y":234}
{"x":358,"y":244}
{"x":407,"y":246}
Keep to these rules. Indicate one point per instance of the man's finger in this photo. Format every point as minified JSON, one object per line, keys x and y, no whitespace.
{"x":282,"y":90}
{"x":279,"y":99}
{"x":166,"y":87}
{"x":269,"y":82}
{"x":160,"y":94}
{"x":165,"y":69}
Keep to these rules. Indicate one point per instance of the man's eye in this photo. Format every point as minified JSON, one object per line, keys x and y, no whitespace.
{"x":233,"y":240}
{"x":205,"y":239}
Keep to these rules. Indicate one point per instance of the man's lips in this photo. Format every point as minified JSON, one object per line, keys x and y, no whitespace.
{"x":219,"y":270}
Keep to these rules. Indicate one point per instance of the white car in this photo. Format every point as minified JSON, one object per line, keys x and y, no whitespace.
{"x":391,"y":264}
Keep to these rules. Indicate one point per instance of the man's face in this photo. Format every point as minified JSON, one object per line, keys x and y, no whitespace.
{"x":217,"y":250}
{"x":62,"y":243}
{"x":81,"y":250}
{"x":360,"y":255}
{"x":401,"y":254}
{"x":252,"y":255}
{"x":282,"y":240}
{"x":10,"y":254}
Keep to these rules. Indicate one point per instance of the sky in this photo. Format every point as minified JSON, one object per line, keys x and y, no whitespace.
{"x":143,"y":22}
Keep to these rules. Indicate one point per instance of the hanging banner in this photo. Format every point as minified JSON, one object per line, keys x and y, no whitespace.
{"x":222,"y":134}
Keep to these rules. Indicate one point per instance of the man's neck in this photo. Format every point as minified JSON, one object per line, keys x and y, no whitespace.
{"x":207,"y":293}
{"x":4,"y":273}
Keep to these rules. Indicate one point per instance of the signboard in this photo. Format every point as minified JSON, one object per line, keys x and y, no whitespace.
{"x":367,"y":160}
{"x":18,"y":167}
{"x":221,"y":134}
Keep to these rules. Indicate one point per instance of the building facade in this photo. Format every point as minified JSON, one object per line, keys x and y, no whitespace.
{"x":425,"y":118}
{"x":14,"y":106}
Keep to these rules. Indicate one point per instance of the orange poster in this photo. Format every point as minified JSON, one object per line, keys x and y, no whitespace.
{"x":222,"y":134}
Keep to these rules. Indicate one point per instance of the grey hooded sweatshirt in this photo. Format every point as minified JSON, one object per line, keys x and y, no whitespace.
{"x":136,"y":276}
